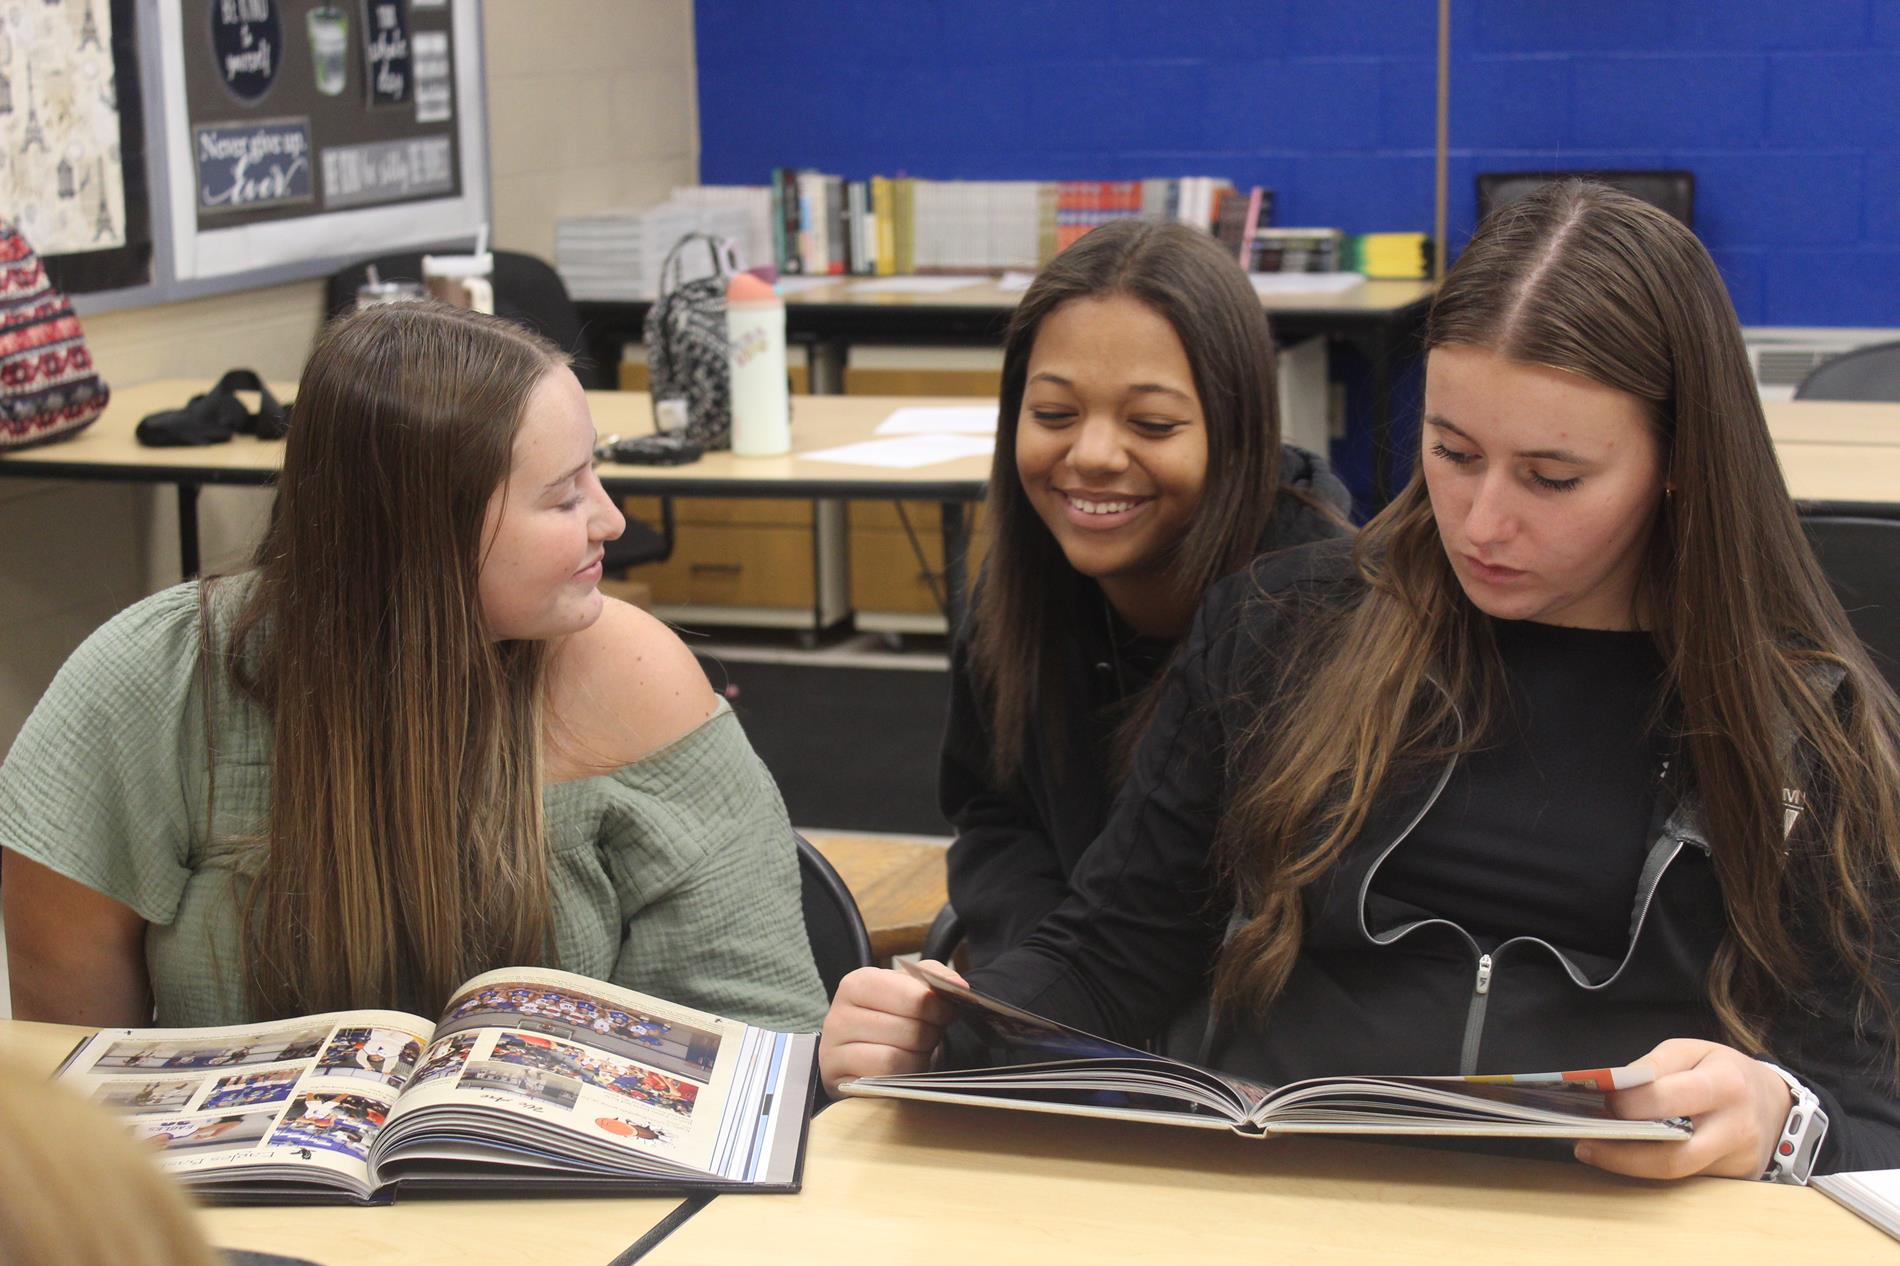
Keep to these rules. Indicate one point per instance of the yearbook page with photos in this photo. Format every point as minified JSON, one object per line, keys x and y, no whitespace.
{"x":1035,"y":1064}
{"x":530,"y":1080}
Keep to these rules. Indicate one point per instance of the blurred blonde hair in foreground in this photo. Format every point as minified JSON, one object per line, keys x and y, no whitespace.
{"x":77,"y":1190}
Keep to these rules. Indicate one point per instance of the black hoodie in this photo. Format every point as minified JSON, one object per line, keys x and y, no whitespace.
{"x":1016,"y":845}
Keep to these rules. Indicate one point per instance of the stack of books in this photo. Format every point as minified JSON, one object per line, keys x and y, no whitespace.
{"x":619,"y":254}
{"x":1391,"y":256}
{"x":754,"y":246}
{"x":824,"y":224}
{"x":1297,"y":251}
{"x":811,"y":223}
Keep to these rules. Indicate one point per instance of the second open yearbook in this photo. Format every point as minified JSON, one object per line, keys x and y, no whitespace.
{"x":530,"y":1080}
{"x":1039,"y":1065}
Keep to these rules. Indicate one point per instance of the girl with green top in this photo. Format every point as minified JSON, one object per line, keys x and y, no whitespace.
{"x":414,"y":742}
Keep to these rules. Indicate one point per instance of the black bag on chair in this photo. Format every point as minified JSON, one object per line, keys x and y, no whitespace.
{"x":686,"y":345}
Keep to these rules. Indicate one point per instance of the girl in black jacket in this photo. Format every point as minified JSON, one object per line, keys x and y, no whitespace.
{"x":1571,"y":759}
{"x":1138,"y":460}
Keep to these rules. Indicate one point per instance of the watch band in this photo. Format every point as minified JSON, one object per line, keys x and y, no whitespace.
{"x":1801,"y":1134}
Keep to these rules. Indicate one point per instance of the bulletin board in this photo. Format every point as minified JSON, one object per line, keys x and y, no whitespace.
{"x":285,"y":138}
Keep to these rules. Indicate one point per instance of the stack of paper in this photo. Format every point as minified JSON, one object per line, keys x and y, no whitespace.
{"x":619,"y":254}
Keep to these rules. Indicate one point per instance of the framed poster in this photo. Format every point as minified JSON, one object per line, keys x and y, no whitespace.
{"x":297,"y":134}
{"x":72,"y":140}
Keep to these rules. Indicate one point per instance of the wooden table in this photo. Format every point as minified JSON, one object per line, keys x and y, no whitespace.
{"x":926,"y":1184}
{"x":1844,"y":458}
{"x":1833,"y":422}
{"x":108,"y":450}
{"x":1379,"y":320}
{"x":899,"y":886}
{"x":491,"y":1232}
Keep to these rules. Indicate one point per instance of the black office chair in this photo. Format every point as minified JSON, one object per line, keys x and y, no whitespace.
{"x":1862,"y":560}
{"x":530,"y":292}
{"x":839,"y":942}
{"x":527,"y":290}
{"x":1673,"y":191}
{"x":1866,"y":373}
{"x":945,"y":935}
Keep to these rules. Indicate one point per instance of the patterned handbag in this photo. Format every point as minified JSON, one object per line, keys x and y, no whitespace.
{"x":48,"y":390}
{"x":686,"y":346}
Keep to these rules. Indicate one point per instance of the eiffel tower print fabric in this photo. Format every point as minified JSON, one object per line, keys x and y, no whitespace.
{"x":48,"y":389}
{"x":59,"y":125}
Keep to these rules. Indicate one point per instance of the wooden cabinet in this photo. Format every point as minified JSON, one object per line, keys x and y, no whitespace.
{"x":763,"y":563}
{"x":893,"y":590}
{"x":799,"y":564}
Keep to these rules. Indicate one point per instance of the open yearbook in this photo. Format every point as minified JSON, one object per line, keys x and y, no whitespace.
{"x":1042,"y":1066}
{"x":530,"y":1080}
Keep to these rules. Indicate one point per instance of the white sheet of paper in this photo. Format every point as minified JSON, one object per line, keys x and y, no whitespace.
{"x":906,"y":452}
{"x":1304,"y":283}
{"x":914,"y":285}
{"x":945,"y":420}
{"x":799,"y":285}
{"x":1014,"y":282}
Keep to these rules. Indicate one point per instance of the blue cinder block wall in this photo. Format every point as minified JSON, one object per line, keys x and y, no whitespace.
{"x":1788,"y":113}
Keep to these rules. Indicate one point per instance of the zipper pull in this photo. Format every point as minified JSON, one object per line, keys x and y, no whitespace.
{"x":1484,"y":974}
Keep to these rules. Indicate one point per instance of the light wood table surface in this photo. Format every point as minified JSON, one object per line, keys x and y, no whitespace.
{"x":490,"y":1232}
{"x":927,"y":1184}
{"x":109,"y":449}
{"x":899,"y":886}
{"x":1833,"y":422}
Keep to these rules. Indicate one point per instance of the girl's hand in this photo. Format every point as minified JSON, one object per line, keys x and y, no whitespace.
{"x":1738,"y":1104}
{"x":882,"y":1022}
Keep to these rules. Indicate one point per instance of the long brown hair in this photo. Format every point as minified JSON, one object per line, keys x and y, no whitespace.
{"x":406,"y":843}
{"x":1581,"y":278}
{"x":1027,"y":611}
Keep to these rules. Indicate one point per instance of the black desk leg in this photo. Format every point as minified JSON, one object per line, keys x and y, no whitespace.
{"x":1379,"y":351}
{"x":956,"y":549}
{"x":827,"y":361}
{"x":188,"y":529}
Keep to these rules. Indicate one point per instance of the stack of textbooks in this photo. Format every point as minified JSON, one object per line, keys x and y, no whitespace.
{"x":529,"y":1081}
{"x":1297,"y":251}
{"x":1391,"y":256}
{"x":619,"y":254}
{"x":826,"y":225}
{"x":812,"y":223}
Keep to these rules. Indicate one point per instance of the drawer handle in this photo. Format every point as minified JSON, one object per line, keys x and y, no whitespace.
{"x":717,"y":569}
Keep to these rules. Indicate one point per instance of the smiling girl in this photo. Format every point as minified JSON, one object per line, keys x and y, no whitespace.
{"x":412,"y":743}
{"x":1138,"y":460}
{"x":1571,"y":760}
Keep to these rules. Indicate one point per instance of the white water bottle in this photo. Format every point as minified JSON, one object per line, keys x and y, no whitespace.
{"x":755,"y":348}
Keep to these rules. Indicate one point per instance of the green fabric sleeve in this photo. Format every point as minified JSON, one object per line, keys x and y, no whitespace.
{"x":95,"y":786}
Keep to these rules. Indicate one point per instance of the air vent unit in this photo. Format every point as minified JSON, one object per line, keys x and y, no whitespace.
{"x":1782,"y":358}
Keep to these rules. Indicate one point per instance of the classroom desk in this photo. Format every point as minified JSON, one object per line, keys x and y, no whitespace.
{"x":1841,"y":458}
{"x":1833,"y":422}
{"x":899,"y":886}
{"x":490,"y":1232}
{"x":926,"y":1184}
{"x":108,"y":450}
{"x":1380,"y":320}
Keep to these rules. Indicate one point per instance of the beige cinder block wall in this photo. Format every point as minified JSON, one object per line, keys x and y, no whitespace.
{"x":591,"y":105}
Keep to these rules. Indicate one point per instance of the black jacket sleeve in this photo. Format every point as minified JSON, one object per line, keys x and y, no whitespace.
{"x":1004,"y":871}
{"x":1838,"y":1045}
{"x":1133,"y":939}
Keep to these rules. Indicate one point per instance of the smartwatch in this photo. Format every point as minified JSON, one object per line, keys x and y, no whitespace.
{"x":1801,"y":1134}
